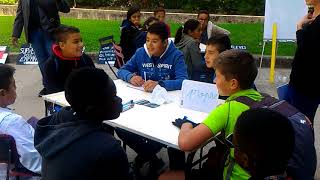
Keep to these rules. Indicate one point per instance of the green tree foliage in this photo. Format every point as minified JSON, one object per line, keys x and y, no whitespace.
{"x":250,"y":7}
{"x":246,"y":7}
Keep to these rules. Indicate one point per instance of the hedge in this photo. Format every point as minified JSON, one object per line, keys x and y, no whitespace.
{"x":246,"y":7}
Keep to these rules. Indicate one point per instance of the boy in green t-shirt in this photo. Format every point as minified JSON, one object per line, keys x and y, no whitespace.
{"x":235,"y":73}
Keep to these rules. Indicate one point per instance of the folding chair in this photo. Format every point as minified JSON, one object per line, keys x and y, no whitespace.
{"x":10,"y":156}
{"x":282,"y":91}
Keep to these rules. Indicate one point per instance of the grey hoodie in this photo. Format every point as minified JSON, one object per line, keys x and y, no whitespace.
{"x":192,"y":55}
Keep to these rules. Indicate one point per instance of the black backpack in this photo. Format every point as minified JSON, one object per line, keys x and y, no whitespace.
{"x":303,"y":163}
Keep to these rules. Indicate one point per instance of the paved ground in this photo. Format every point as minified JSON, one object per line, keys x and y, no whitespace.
{"x":28,"y":81}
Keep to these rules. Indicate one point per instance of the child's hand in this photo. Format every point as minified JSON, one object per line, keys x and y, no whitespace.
{"x":136,"y":80}
{"x":303,"y":21}
{"x":14,"y":41}
{"x":150,"y":85}
{"x":179,"y":122}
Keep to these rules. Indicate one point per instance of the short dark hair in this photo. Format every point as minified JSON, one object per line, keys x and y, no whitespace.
{"x":147,"y":24}
{"x":267,"y":137}
{"x":92,"y":94}
{"x":133,"y":9}
{"x":204,"y":12}
{"x":159,"y":29}
{"x":220,"y":41}
{"x":6,"y":75}
{"x":239,"y":65}
{"x":189,"y":25}
{"x":159,"y":9}
{"x":61,"y":33}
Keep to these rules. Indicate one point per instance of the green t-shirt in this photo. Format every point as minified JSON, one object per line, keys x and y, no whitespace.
{"x":224,"y":117}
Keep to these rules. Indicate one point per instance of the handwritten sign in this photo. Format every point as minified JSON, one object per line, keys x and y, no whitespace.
{"x":199,"y":96}
{"x":107,"y":53}
{"x":27,"y":55}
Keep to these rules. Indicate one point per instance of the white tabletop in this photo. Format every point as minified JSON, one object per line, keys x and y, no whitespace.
{"x":153,"y":123}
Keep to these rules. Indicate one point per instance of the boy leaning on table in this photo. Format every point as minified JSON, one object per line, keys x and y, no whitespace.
{"x":158,"y":62}
{"x":235,"y":72}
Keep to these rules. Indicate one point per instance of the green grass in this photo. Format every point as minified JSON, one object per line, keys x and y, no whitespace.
{"x":241,"y":34}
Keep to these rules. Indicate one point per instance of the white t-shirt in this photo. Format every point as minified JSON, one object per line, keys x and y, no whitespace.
{"x":23,"y":133}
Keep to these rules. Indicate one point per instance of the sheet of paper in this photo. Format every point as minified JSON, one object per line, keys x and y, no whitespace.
{"x":199,"y":96}
{"x":4,"y":58}
{"x":202,"y":47}
{"x":3,"y":48}
{"x":136,"y":87}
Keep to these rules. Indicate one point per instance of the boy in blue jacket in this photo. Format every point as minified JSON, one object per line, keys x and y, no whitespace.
{"x":158,"y":62}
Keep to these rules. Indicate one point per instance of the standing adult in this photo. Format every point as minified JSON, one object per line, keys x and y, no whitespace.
{"x":38,"y":19}
{"x":208,"y":28}
{"x":302,"y":91}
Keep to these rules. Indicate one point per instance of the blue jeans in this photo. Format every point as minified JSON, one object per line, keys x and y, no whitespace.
{"x":306,"y":105}
{"x":41,"y":43}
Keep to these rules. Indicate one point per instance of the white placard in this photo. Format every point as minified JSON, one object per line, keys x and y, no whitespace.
{"x":199,"y":96}
{"x":3,"y":58}
{"x":286,"y":13}
{"x":3,"y":48}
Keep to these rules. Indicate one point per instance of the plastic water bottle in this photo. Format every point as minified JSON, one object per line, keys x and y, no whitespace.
{"x":281,"y":79}
{"x":3,"y":171}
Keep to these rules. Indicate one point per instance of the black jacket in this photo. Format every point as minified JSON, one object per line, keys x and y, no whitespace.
{"x":306,"y":63}
{"x":58,"y":68}
{"x":49,"y":13}
{"x":129,"y":32}
{"x":75,"y":149}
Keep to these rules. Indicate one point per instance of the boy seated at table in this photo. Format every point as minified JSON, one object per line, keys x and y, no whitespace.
{"x":235,"y":73}
{"x":159,"y":62}
{"x":262,"y":154}
{"x":72,"y":142}
{"x":67,"y":55}
{"x":15,"y":125}
{"x":216,"y":45}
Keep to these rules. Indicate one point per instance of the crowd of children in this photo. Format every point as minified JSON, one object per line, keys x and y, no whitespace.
{"x":73,"y":143}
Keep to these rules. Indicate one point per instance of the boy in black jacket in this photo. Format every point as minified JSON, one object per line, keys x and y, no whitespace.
{"x":67,"y":56}
{"x":72,"y":142}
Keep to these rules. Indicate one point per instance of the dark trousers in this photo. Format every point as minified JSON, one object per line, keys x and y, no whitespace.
{"x":41,"y":43}
{"x":306,"y":105}
{"x":147,"y":149}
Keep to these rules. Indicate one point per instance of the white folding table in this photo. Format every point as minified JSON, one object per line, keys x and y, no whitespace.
{"x":152,"y":123}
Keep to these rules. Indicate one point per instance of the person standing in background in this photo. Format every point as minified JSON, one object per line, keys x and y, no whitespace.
{"x":38,"y":19}
{"x":209,"y":29}
{"x":302,"y":93}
